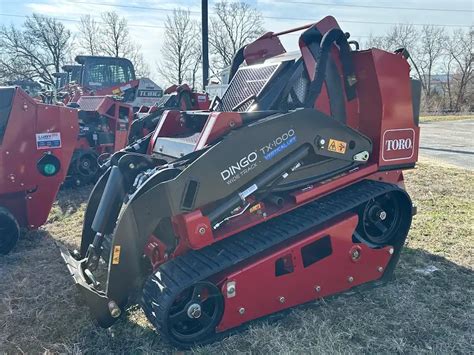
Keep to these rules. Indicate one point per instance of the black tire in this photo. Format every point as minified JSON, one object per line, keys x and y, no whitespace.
{"x":9,"y":231}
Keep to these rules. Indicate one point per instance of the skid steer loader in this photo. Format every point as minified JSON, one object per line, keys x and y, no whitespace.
{"x":101,"y":75}
{"x":290,"y":189}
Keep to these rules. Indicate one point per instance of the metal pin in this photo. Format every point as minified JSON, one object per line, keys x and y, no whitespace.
{"x":114,"y":309}
{"x":231,"y":289}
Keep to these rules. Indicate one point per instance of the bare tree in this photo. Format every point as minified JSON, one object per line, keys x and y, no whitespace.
{"x":142,"y":69}
{"x":379,"y":42}
{"x":115,"y":36}
{"x":431,"y":49}
{"x":398,"y":36}
{"x":461,"y":50}
{"x":233,"y":25}
{"x":112,"y":38}
{"x":36,"y":51}
{"x":89,"y":35}
{"x":403,"y":35}
{"x":181,"y":53}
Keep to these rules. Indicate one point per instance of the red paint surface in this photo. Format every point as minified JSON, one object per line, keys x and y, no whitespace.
{"x":259,"y":291}
{"x":23,"y":190}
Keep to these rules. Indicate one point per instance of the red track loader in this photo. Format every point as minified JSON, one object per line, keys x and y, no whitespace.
{"x":98,"y":75}
{"x":36,"y":145}
{"x":290,"y":189}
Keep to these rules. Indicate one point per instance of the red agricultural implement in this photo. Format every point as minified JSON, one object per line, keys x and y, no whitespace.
{"x":290,"y":189}
{"x":36,"y":145}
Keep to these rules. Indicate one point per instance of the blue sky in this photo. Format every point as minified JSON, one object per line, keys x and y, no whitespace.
{"x":146,"y":25}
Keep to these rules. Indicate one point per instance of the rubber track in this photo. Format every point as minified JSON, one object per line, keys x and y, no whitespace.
{"x":178,"y":274}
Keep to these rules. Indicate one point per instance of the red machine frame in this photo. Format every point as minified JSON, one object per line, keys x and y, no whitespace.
{"x":24,"y":191}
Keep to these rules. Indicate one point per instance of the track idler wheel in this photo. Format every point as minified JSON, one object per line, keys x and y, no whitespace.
{"x":9,"y":231}
{"x":190,"y":317}
{"x":380,"y":219}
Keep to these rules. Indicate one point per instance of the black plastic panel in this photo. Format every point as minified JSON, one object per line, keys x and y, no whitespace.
{"x":6,"y":101}
{"x":416,"y":99}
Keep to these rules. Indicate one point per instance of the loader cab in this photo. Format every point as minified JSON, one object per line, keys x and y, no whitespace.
{"x":102,"y":72}
{"x":72,"y":74}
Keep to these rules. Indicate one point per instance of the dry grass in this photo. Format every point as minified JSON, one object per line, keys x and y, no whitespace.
{"x":418,"y":313}
{"x":439,"y":118}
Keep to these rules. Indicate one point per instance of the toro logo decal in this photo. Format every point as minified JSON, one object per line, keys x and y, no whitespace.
{"x":398,"y":144}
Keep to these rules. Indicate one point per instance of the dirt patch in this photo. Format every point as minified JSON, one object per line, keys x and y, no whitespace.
{"x":427,"y":309}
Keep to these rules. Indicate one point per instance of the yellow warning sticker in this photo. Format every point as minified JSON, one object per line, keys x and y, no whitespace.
{"x":337,"y":146}
{"x":116,"y":256}
{"x":255,"y":208}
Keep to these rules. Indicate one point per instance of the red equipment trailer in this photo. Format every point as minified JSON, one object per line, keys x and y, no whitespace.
{"x":289,"y":190}
{"x":36,"y":145}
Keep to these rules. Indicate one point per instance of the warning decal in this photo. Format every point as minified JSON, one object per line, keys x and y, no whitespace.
{"x":116,"y":256}
{"x":48,"y":140}
{"x":255,"y":208}
{"x":337,"y":146}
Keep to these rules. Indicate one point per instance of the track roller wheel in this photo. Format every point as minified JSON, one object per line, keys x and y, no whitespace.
{"x":188,"y":318}
{"x":381,"y":219}
{"x":84,"y":168}
{"x":87,"y":165}
{"x":9,"y":231}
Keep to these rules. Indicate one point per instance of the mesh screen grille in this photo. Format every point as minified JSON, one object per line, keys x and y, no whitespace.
{"x":300,"y":88}
{"x":247,"y":81}
{"x":90,"y":103}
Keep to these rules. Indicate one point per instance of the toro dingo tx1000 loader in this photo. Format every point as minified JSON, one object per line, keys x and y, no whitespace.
{"x":289,"y":189}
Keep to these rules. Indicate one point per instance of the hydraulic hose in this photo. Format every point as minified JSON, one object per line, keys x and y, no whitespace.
{"x":263,"y":180}
{"x":337,"y":36}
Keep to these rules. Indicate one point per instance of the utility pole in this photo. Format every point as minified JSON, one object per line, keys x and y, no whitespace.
{"x":205,"y":44}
